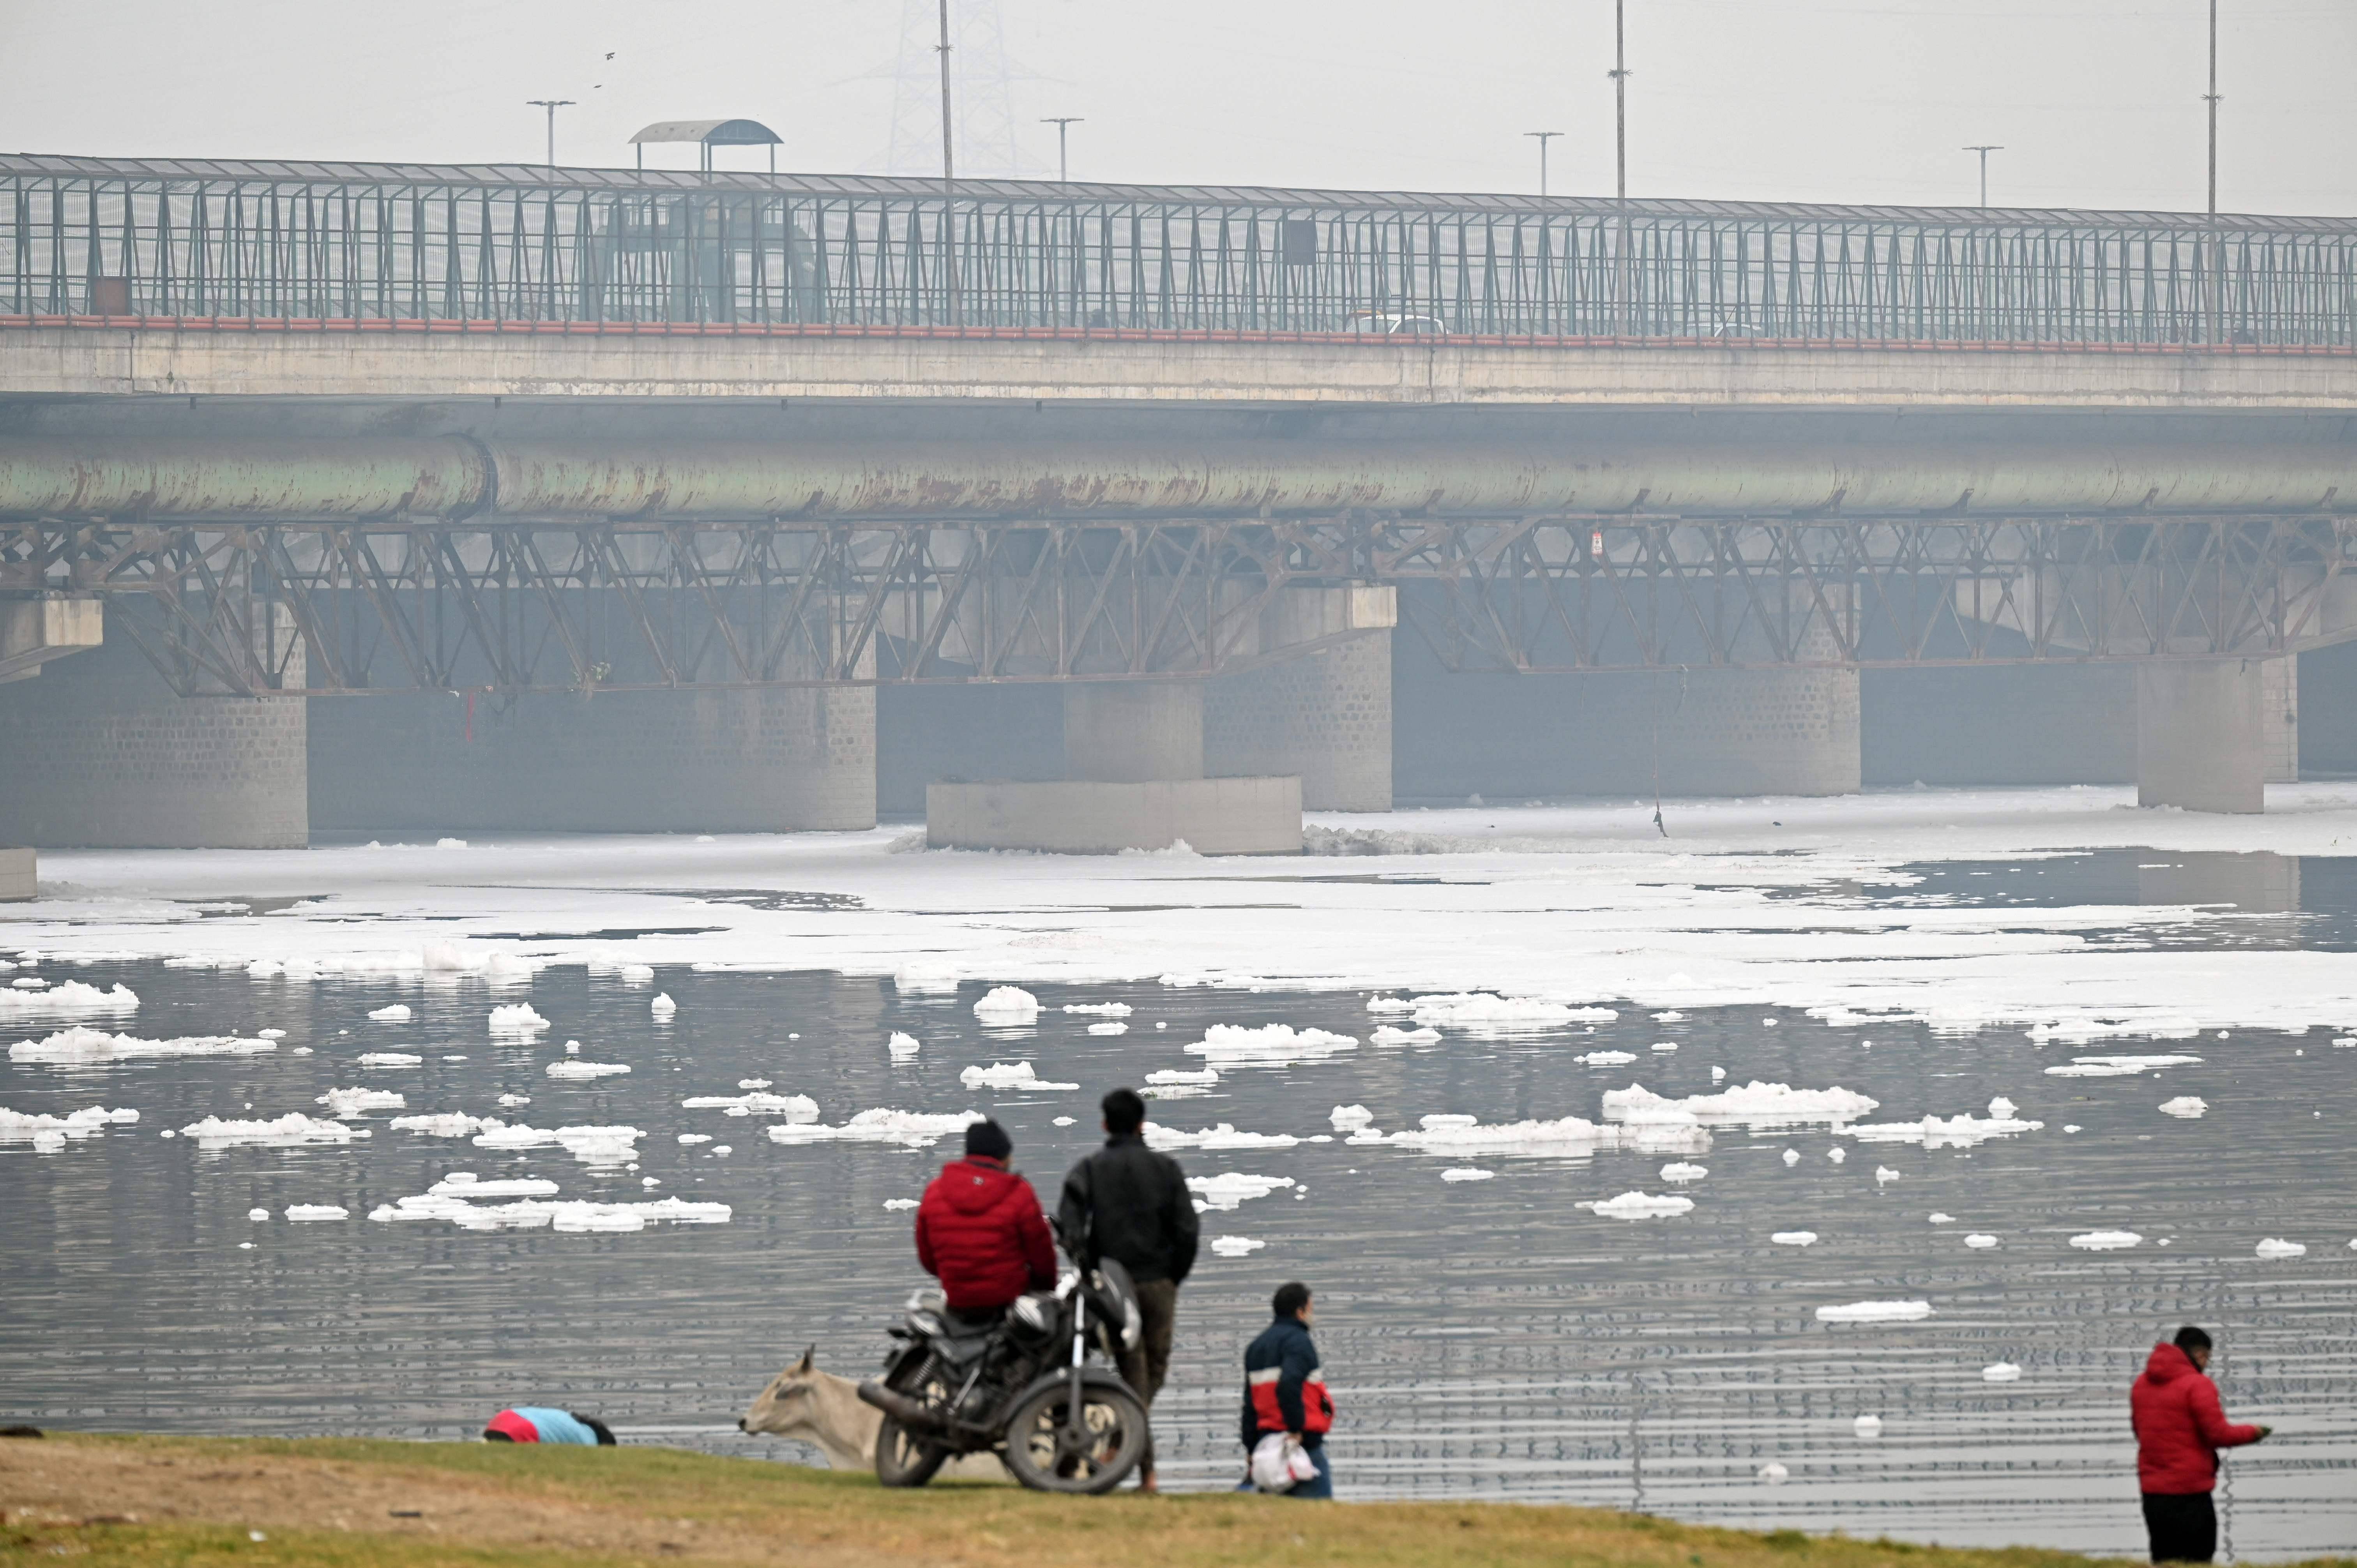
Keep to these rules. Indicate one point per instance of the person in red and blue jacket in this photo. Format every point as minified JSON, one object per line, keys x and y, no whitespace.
{"x":2179,"y":1427}
{"x":536,"y":1424}
{"x":1285,"y":1390}
{"x":980,"y":1230}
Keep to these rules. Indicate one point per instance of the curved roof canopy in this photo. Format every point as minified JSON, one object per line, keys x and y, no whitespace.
{"x":711,"y":133}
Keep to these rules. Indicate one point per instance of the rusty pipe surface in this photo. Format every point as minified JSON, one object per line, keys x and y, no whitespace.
{"x":455,"y":477}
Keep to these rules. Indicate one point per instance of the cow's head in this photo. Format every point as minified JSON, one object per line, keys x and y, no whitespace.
{"x":784,"y":1408}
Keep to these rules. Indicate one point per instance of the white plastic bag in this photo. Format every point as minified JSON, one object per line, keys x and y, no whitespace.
{"x":1272,"y":1469}
{"x":1298,"y":1460}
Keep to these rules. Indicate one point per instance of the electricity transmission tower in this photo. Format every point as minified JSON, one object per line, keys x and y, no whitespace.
{"x":983,"y":89}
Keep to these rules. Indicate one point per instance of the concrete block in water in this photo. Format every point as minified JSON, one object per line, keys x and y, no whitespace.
{"x":1213,"y":816}
{"x":17,"y":882}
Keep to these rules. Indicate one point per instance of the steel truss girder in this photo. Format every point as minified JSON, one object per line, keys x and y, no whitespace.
{"x":576,"y":606}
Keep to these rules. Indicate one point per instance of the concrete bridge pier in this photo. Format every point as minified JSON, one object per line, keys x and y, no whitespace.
{"x":99,"y":751}
{"x":1326,"y":718}
{"x":2202,"y":734}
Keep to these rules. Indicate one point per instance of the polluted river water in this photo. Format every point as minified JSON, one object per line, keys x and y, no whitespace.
{"x":1826,"y":1165}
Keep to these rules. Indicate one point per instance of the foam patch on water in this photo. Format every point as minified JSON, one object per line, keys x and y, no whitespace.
{"x":1753,"y":1104}
{"x":2188,"y":1106}
{"x":397,"y":1014}
{"x":1235,"y":1246}
{"x":83,"y":1047}
{"x":1875,"y":1312}
{"x":1678,"y":1170}
{"x":1178,"y":1077}
{"x":661,"y":1007}
{"x":2115,"y":1066}
{"x":1608,"y":1058}
{"x":390,"y":1058}
{"x":580,"y":1070}
{"x":302,"y":1212}
{"x":1388,"y":1035}
{"x":596,"y":1146}
{"x":48,"y":1133}
{"x":1641,"y":1206}
{"x":901,"y":1044}
{"x":1486,"y":1013}
{"x":1980,"y":1239}
{"x":2276,"y":1247}
{"x":447,"y":1124}
{"x":1228,"y":1190}
{"x":910,"y":1129}
{"x":1271,"y":1045}
{"x":1466,"y":1173}
{"x":1565,"y":1137}
{"x":516,"y":1019}
{"x":1113,"y":1027}
{"x":1017,"y":1076}
{"x":468,"y":1185}
{"x":1223,"y":1136}
{"x":1940,"y":1133}
{"x":2106,"y":1240}
{"x":575,"y":1216}
{"x":756,"y":1102}
{"x":1343,"y":1118}
{"x":901,"y":1203}
{"x":70,"y":999}
{"x":348,"y":1102}
{"x":1794,"y":1237}
{"x":1106,"y":1009}
{"x":1003,"y":1005}
{"x":280,"y":1132}
{"x":2001,"y":1372}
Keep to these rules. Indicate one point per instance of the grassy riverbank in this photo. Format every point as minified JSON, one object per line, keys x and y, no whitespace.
{"x":197,"y":1501}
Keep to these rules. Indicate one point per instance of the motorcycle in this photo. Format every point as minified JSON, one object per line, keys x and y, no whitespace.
{"x":1023,"y":1387}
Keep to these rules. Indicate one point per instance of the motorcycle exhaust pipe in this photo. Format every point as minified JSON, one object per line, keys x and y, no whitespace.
{"x":909,"y":1412}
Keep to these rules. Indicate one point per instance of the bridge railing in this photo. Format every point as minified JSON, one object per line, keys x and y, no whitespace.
{"x":345,"y":243}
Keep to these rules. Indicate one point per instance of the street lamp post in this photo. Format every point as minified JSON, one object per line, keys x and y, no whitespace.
{"x":1543,"y":137}
{"x":552,"y":105}
{"x":1985,"y":149}
{"x":1063,"y":161}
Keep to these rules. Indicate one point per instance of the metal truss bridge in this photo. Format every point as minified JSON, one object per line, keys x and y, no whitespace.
{"x":317,"y":246}
{"x":340,"y":608}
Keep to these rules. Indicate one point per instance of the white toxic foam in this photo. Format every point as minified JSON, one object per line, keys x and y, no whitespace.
{"x":1794,"y":1237}
{"x":2000,"y":1373}
{"x":396,"y":1013}
{"x":1641,"y":1206}
{"x":571,"y":1069}
{"x":300,"y":1212}
{"x":284,"y":1132}
{"x":1466,"y":1173}
{"x":71,"y":999}
{"x":1884,"y":1173}
{"x":2188,"y":1106}
{"x":81,"y":1047}
{"x":1608,"y":1058}
{"x":1230,"y":1189}
{"x":910,"y":1129}
{"x":1568,"y":1137}
{"x":901,"y":1044}
{"x":1177,"y":1077}
{"x":1679,"y":1170}
{"x":1791,"y":1157}
{"x":471,"y":1186}
{"x":1940,"y":1133}
{"x":1664,"y":1046}
{"x":1943,"y":1218}
{"x":1753,"y":1104}
{"x":896,"y":1203}
{"x":46,"y":1132}
{"x":1485,"y":1012}
{"x":1388,"y":1035}
{"x":1271,"y":1045}
{"x":1875,"y":1312}
{"x":602,"y":1146}
{"x":636,"y":974}
{"x":2116,"y":1067}
{"x":1775,"y":1473}
{"x":1345,"y":1117}
{"x":1107,"y":1009}
{"x":1867,"y":1427}
{"x":2002,"y":1109}
{"x":1838,"y":1155}
{"x":517,"y":1018}
{"x":1223,"y":1136}
{"x":346,"y":1103}
{"x":390,"y":1058}
{"x":662,"y":1006}
{"x":1235,"y":1246}
{"x":2276,"y":1246}
{"x":2104,"y":1240}
{"x":757,"y":1102}
{"x":1009,"y":1075}
{"x":1003,"y":1004}
{"x":1112,"y":1026}
{"x":447,"y":1124}
{"x":1979,"y":1238}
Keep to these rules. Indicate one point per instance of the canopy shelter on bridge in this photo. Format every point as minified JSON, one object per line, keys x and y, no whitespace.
{"x":708,"y":135}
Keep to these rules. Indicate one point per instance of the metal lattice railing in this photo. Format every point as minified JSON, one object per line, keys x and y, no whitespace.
{"x":292,"y":241}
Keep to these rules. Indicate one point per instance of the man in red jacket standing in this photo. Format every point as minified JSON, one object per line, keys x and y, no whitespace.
{"x":980,"y":1232}
{"x":2179,"y":1427}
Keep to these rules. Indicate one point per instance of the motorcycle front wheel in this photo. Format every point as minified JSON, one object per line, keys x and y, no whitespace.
{"x":904,"y":1459}
{"x":1109,"y":1441}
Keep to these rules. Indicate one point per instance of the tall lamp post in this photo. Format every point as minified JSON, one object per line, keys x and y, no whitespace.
{"x":552,"y":105}
{"x":1619,"y":73}
{"x":949,"y":177}
{"x":1063,"y":161}
{"x":1542,"y":138}
{"x":1985,"y":149}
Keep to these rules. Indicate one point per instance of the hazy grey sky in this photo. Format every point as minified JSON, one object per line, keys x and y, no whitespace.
{"x":2097,"y":102}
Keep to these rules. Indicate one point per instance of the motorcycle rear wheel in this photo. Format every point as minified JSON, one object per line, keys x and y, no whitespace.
{"x":1113,"y":1440}
{"x":905,"y":1459}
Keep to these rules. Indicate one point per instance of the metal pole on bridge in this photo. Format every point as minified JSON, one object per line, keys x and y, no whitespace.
{"x":1543,"y":137}
{"x":552,"y":105}
{"x":2217,"y":258}
{"x":1063,"y":159}
{"x":1620,"y":164}
{"x":1985,"y":149}
{"x":949,"y":176}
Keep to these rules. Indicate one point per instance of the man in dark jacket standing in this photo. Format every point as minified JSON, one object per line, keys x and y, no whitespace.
{"x":1285,"y":1388}
{"x":1127,"y":1203}
{"x":2179,"y":1427}
{"x":980,"y":1232}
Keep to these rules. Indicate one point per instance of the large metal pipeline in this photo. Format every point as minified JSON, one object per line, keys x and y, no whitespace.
{"x":459,"y":477}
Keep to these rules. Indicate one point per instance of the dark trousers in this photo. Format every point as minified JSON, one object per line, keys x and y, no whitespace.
{"x":2183,"y":1526}
{"x":1145,"y":1368}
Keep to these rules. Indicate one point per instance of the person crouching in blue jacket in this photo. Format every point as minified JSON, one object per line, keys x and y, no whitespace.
{"x":1286,"y":1391}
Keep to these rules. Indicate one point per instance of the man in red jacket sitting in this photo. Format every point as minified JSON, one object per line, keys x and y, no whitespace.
{"x":2179,"y":1427}
{"x":980,"y":1232}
